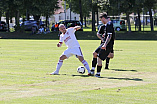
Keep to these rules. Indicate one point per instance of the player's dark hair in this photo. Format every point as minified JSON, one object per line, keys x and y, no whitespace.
{"x":103,"y":15}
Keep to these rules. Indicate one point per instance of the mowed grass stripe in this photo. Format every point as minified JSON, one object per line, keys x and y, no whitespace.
{"x":25,"y":63}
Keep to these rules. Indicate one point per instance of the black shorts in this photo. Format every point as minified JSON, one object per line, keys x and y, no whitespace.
{"x":112,"y":51}
{"x":102,"y":53}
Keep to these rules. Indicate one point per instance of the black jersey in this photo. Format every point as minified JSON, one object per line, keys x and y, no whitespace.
{"x":110,"y":30}
{"x":105,"y":29}
{"x":102,"y":30}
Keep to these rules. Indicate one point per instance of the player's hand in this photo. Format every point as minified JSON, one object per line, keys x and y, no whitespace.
{"x":58,"y":45}
{"x":103,"y":35}
{"x":103,"y":47}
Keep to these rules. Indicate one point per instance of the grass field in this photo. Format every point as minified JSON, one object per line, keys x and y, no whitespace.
{"x":131,"y":79}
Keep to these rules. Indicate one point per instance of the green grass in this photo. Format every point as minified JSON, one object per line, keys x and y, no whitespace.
{"x":146,"y":28}
{"x":132,"y":78}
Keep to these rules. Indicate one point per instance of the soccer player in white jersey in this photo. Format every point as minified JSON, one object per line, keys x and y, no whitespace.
{"x":68,"y":36}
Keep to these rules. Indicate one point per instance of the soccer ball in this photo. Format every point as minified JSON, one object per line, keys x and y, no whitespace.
{"x":81,"y":70}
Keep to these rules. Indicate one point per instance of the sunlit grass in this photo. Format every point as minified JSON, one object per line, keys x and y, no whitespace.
{"x":24,"y":65}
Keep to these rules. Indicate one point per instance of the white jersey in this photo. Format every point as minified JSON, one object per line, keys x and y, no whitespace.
{"x":69,"y":38}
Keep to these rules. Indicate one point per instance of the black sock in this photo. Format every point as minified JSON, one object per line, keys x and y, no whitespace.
{"x":107,"y":62}
{"x":99,"y":69}
{"x":94,"y":62}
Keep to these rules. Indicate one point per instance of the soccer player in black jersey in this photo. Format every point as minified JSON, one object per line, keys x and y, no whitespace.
{"x":105,"y":48}
{"x":111,"y":54}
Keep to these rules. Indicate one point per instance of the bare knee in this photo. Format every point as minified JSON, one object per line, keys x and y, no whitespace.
{"x":111,"y":55}
{"x":62,"y":57}
{"x":80,"y":58}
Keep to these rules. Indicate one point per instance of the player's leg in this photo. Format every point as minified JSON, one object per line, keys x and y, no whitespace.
{"x":66,"y":54}
{"x":111,"y":55}
{"x":107,"y":63}
{"x":94,"y":61}
{"x":99,"y":66}
{"x":77,"y":51}
{"x":84,"y":62}
{"x":102,"y":56}
{"x":59,"y":64}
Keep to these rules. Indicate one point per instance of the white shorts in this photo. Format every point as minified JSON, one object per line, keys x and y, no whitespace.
{"x":72,"y":51}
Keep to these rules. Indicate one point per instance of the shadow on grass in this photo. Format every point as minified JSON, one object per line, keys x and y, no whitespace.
{"x":80,"y":75}
{"x":118,"y":50}
{"x":133,"y":79}
{"x":122,"y":70}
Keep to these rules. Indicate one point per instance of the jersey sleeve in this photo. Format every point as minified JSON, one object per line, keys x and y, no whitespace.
{"x":100,"y":31}
{"x":109,"y":28}
{"x":72,"y":30}
{"x":61,"y":38}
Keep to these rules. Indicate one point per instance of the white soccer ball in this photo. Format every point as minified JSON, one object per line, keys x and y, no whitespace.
{"x":81,"y":70}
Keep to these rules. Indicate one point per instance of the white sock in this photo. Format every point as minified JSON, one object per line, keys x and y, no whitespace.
{"x":84,"y":62}
{"x":60,"y":62}
{"x":93,"y":68}
{"x":98,"y":73}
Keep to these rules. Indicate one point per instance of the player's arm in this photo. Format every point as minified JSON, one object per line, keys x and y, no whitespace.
{"x":109,"y":35}
{"x":60,"y":42}
{"x":110,"y":30}
{"x":99,"y":33}
{"x":77,"y":27}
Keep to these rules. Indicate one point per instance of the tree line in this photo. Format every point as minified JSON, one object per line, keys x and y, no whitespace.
{"x":113,"y":7}
{"x":86,"y":8}
{"x":25,"y":8}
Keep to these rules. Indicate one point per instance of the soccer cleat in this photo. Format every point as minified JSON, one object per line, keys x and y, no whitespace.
{"x":106,"y":68}
{"x":91,"y":73}
{"x":97,"y":75}
{"x":54,"y":73}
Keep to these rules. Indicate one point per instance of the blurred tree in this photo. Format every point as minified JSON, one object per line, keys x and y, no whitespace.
{"x":1,"y":10}
{"x":138,"y":9}
{"x":47,"y":9}
{"x":109,"y":6}
{"x":25,"y":8}
{"x":42,"y":7}
{"x":150,"y":5}
{"x":124,"y":6}
{"x":6,"y":7}
{"x":84,"y":8}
